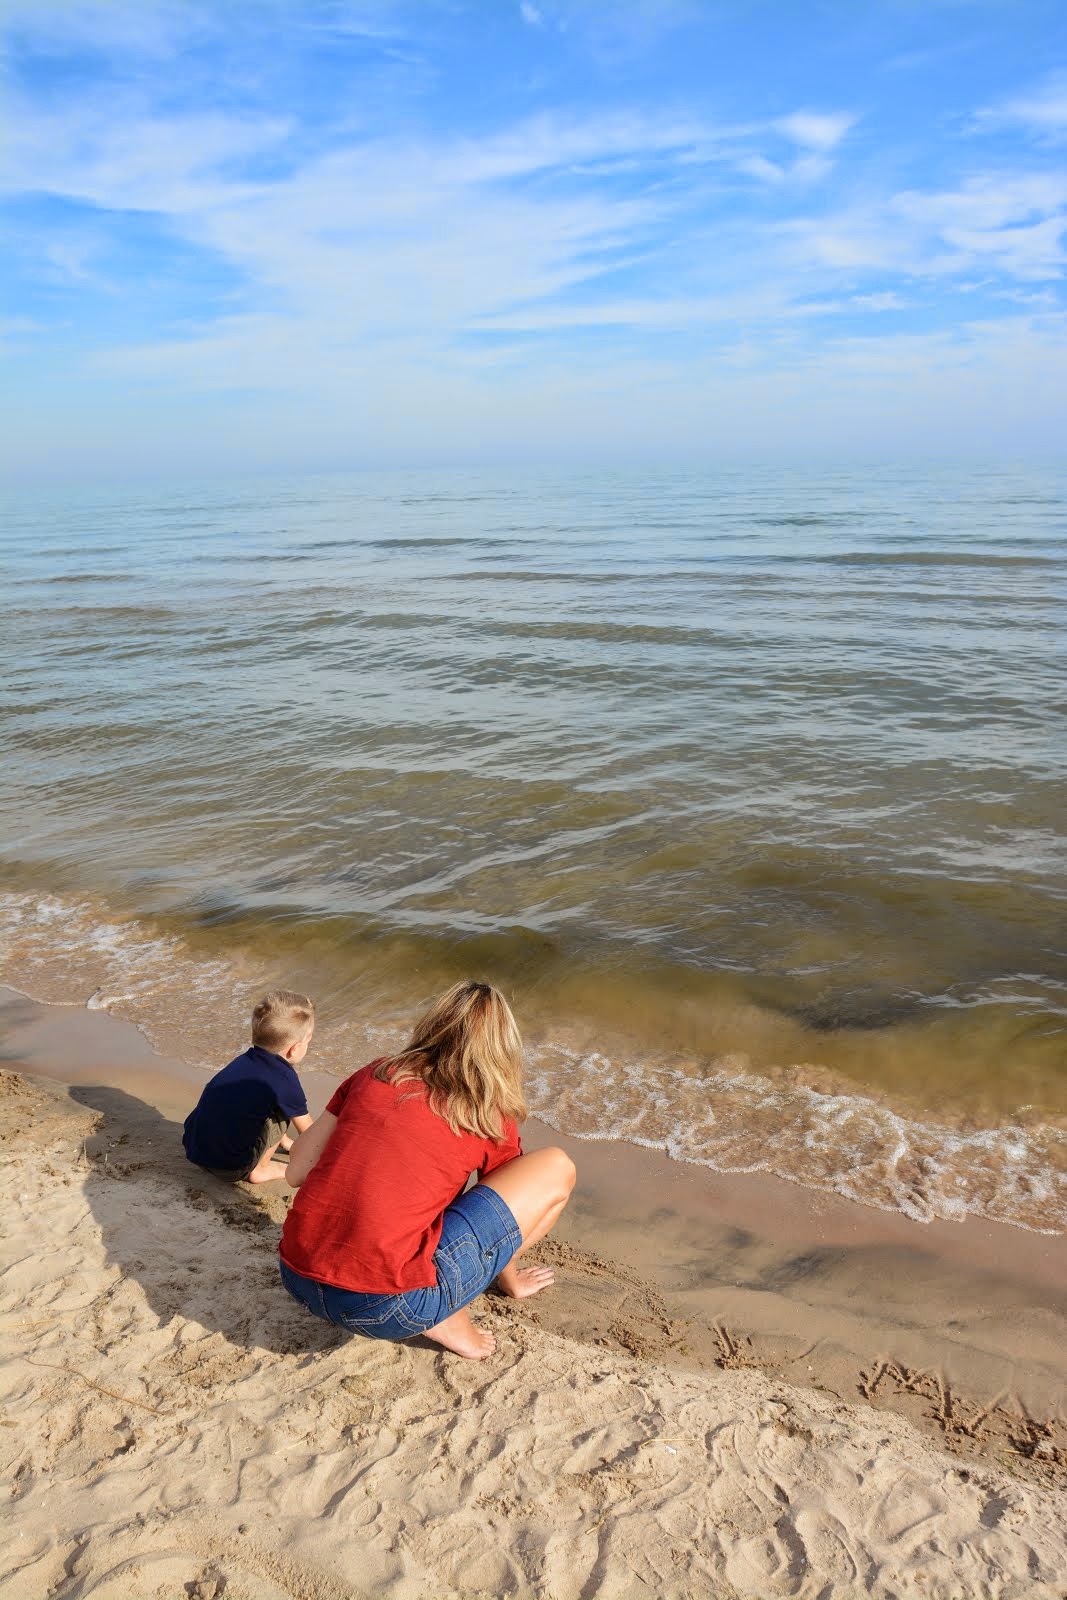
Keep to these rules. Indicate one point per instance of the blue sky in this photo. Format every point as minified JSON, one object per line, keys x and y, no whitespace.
{"x":324,"y":233}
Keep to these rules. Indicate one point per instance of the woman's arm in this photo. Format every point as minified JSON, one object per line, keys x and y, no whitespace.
{"x":308,"y":1148}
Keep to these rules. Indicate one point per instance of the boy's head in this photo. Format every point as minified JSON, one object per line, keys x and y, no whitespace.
{"x":283,"y":1023}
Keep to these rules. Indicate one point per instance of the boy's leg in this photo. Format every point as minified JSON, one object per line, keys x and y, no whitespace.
{"x":263,"y":1169}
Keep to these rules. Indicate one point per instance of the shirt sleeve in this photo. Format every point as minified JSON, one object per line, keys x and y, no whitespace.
{"x":506,"y":1149}
{"x":339,"y":1096}
{"x":292,"y":1101}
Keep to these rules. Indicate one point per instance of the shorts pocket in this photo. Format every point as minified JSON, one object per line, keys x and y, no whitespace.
{"x":371,"y":1311}
{"x":390,"y":1316}
{"x":418,"y":1310}
{"x":463,"y":1270}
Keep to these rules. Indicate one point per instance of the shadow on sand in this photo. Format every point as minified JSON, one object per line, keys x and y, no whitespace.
{"x":200,"y":1248}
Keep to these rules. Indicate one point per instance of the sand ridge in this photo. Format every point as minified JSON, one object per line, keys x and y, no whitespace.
{"x":173,"y":1424}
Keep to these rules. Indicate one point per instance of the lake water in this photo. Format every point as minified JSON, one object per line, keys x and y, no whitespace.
{"x":747,"y":787}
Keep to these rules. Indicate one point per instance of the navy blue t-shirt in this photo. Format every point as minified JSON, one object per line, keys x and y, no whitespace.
{"x":226,"y":1125}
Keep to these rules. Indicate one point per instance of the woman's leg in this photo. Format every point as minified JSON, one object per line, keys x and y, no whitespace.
{"x":458,"y":1333}
{"x":535,"y":1189}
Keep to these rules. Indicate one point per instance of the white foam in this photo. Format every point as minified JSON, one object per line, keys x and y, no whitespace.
{"x":731,"y":1119}
{"x":725,"y":1116}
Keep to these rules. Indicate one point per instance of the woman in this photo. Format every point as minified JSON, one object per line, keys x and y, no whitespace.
{"x":380,"y":1238}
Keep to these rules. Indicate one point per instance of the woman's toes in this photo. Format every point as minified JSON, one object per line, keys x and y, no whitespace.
{"x":530,"y":1280}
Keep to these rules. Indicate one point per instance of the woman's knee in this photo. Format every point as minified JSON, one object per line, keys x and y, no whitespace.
{"x":531,"y":1184}
{"x":563,"y":1171}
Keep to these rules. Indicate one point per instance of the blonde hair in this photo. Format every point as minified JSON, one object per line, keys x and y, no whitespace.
{"x":281,"y":1018}
{"x":467,"y":1050}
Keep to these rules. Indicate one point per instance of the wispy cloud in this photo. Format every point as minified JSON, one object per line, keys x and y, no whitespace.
{"x":886,"y":301}
{"x":396,"y":230}
{"x":123,"y":158}
{"x":17,"y":327}
{"x":1011,"y":222}
{"x":816,"y":130}
{"x":154,"y":29}
{"x":477,"y":253}
{"x":69,"y":258}
{"x":1041,"y":110}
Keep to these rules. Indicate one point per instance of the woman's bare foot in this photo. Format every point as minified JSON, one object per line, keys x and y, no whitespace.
{"x":521,"y":1282}
{"x":458,"y":1333}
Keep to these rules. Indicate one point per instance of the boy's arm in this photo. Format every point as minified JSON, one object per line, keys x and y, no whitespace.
{"x":308,"y":1148}
{"x":302,"y":1124}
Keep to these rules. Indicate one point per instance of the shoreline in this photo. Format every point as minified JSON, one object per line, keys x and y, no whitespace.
{"x":688,"y":1412}
{"x":767,"y":1098}
{"x":737,"y":1268}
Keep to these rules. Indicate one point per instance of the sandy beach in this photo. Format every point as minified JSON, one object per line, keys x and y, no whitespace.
{"x":825,"y":1401}
{"x":533,"y":559}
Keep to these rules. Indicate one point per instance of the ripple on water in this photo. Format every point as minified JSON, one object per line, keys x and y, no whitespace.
{"x":752,"y":778}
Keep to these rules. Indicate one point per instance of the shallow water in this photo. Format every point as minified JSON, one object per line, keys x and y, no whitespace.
{"x":747,"y":787}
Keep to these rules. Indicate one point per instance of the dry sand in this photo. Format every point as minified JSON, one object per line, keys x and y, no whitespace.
{"x":688,"y":1412}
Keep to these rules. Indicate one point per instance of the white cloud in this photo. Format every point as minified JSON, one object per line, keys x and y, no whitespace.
{"x":995,"y":201}
{"x":414,"y":285}
{"x":394,"y":234}
{"x":816,"y":130}
{"x":878,"y":302}
{"x":804,"y":170}
{"x":69,"y":258}
{"x":1041,"y":111}
{"x":759,"y":167}
{"x":848,"y":241}
{"x":1045,"y":299}
{"x":153,"y":28}
{"x":158,"y":29}
{"x":677,"y":313}
{"x":529,"y":13}
{"x":887,"y":301}
{"x":1034,"y":252}
{"x":1012,"y":223}
{"x":993,"y":386}
{"x":123,"y":159}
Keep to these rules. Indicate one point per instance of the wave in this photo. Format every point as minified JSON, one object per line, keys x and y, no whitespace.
{"x":918,"y":558}
{"x":731,"y":1119}
{"x":800,"y":1122}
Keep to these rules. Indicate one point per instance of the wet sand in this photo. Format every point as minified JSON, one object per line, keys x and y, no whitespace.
{"x":710,"y":1305}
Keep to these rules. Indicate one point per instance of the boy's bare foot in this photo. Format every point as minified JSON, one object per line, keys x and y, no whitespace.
{"x":521,"y":1282}
{"x":265,"y":1169}
{"x":458,"y":1333}
{"x":265,"y":1174}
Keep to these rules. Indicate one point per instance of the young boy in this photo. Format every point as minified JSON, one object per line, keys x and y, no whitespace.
{"x":240,"y":1119}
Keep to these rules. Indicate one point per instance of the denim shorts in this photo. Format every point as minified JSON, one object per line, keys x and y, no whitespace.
{"x":478,"y":1239}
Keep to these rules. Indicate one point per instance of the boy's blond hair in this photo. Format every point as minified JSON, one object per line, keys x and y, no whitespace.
{"x":281,"y":1018}
{"x":468,"y":1052}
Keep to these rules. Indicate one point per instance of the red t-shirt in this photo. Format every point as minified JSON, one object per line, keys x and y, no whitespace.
{"x":368,"y":1214}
